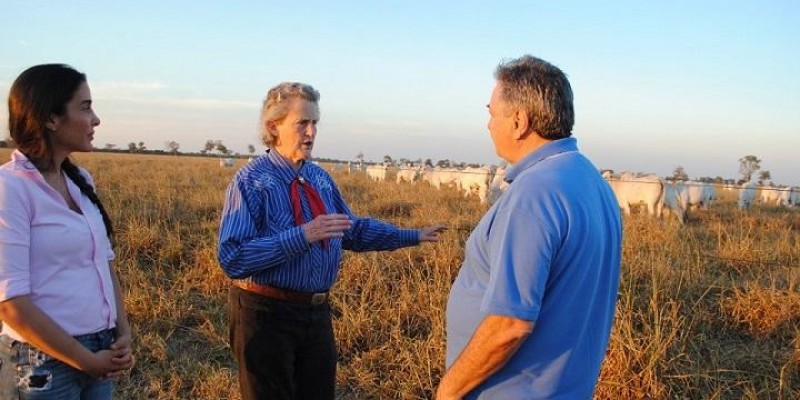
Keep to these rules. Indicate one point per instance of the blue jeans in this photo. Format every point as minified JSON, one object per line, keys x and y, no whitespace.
{"x":27,"y":373}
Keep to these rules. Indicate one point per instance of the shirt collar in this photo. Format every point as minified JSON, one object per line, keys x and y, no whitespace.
{"x":545,"y":151}
{"x":20,"y":162}
{"x":283,"y":167}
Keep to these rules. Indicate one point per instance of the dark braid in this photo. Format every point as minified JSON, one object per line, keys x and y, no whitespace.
{"x":75,"y":175}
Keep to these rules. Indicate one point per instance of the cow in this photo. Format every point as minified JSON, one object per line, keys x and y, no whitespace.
{"x":770,"y":195}
{"x":377,"y":173}
{"x":785,"y":196}
{"x":700,"y":194}
{"x":442,"y":176}
{"x":632,"y":189}
{"x":227,"y":162}
{"x":794,"y":198}
{"x":676,"y":197}
{"x":747,"y":195}
{"x":498,"y":184}
{"x":475,"y":180}
{"x":408,"y":174}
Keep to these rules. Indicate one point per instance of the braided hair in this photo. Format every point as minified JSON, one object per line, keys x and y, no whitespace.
{"x":74,"y":174}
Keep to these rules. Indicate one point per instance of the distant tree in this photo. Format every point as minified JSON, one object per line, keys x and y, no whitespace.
{"x":748,"y":165}
{"x":251,"y":149}
{"x":110,"y":146}
{"x":445,"y":163}
{"x":764,"y":176}
{"x":209,"y":146}
{"x":360,"y":157}
{"x":132,"y":147}
{"x":141,"y":147}
{"x":679,"y":174}
{"x":719,"y":180}
{"x":172,"y":146}
{"x":387,"y":160}
{"x":221,"y":148}
{"x":428,"y":163}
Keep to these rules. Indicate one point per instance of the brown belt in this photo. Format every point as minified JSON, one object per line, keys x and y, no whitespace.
{"x":282,"y":294}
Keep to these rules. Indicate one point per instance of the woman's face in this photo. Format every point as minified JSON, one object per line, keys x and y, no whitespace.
{"x":294,"y":135}
{"x":74,"y":131}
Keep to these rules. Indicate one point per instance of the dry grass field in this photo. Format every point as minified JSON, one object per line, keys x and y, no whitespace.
{"x":710,"y":310}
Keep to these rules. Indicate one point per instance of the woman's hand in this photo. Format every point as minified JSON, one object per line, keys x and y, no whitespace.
{"x":326,"y":226}
{"x":122,"y":355}
{"x":431,"y":233}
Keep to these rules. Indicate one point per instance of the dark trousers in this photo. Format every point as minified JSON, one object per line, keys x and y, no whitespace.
{"x":283,"y":350}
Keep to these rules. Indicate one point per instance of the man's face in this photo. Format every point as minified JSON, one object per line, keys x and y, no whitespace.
{"x":501,"y":123}
{"x":295,"y":134}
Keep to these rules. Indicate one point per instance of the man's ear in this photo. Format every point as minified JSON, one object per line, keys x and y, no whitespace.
{"x":521,"y":124}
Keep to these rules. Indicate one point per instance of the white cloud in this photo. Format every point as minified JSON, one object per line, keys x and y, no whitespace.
{"x":189,"y":103}
{"x":108,"y":89}
{"x":152,"y":94}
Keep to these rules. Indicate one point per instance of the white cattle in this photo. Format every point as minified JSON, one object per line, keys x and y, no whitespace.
{"x":675,"y":199}
{"x":410,"y":175}
{"x":631,"y":190}
{"x":747,"y":195}
{"x":475,"y":180}
{"x":770,"y":195}
{"x":227,"y":162}
{"x":700,"y":194}
{"x":794,"y":198}
{"x":498,"y":185}
{"x":442,"y":176}
{"x":785,"y":196}
{"x":377,"y":173}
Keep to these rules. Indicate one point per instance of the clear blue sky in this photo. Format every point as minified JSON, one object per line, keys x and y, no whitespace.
{"x":698,"y":84}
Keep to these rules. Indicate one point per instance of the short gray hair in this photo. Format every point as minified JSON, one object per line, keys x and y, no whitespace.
{"x":542,"y":91}
{"x":276,"y":104}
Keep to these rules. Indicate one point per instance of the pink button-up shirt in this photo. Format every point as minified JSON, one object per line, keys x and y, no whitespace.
{"x":56,"y":256}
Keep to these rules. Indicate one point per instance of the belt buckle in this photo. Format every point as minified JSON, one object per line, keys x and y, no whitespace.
{"x":318,"y":298}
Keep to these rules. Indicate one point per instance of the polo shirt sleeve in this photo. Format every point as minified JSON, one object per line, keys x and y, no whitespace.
{"x":521,"y":248}
{"x":15,"y":239}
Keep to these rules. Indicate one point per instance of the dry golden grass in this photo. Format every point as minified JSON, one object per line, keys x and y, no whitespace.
{"x":710,"y":310}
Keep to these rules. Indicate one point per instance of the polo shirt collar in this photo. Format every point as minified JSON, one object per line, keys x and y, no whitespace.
{"x":545,"y":151}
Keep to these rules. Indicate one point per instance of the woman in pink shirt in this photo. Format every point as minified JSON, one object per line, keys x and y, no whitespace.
{"x":65,"y":333}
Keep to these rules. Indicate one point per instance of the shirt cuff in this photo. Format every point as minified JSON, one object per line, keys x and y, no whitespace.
{"x":293,"y":241}
{"x":409,"y":237}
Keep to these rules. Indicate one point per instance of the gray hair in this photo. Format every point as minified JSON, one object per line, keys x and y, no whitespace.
{"x":542,"y":91}
{"x":276,"y":104}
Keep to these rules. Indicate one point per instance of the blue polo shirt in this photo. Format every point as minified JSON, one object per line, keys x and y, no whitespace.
{"x":547,"y":251}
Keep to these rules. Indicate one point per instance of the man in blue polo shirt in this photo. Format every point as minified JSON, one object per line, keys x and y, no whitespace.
{"x":530,"y":313}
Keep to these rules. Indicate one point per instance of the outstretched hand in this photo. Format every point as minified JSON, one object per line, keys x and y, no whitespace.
{"x":326,"y":226}
{"x":431,"y":233}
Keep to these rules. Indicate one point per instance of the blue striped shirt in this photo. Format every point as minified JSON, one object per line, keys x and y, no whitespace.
{"x":258,"y":239}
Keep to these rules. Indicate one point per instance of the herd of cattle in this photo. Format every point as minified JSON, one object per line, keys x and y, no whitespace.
{"x":678,"y":197}
{"x":658,"y":195}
